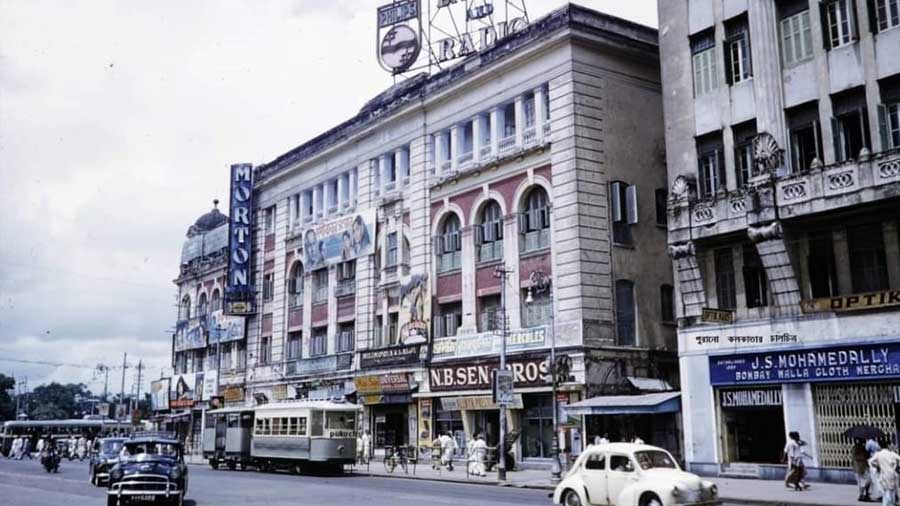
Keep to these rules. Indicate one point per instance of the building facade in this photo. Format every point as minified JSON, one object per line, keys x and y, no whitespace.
{"x":529,"y":177}
{"x":782,"y":137}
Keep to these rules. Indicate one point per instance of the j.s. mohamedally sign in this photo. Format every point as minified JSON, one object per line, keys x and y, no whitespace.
{"x":859,"y":362}
{"x":853,"y":302}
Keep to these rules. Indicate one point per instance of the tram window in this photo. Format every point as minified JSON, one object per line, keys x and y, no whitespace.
{"x":258,"y":429}
{"x":267,"y":426}
{"x":316,"y":423}
{"x":210,"y":421}
{"x":339,"y":420}
{"x":276,"y":426}
{"x":233,"y":421}
{"x":246,"y":421}
{"x":284,"y":426}
{"x":301,"y":426}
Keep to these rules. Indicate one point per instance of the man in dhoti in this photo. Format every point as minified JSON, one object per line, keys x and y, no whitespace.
{"x":448,"y":446}
{"x":885,"y":463}
{"x":366,"y":446}
{"x":477,"y":456}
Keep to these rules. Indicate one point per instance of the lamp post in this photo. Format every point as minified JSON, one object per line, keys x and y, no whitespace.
{"x":540,"y":283}
{"x":502,"y":272}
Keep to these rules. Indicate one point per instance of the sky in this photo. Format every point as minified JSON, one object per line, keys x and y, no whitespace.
{"x":118,"y":122}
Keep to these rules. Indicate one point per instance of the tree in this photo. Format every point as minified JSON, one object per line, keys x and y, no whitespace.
{"x":7,"y":403}
{"x":55,"y":401}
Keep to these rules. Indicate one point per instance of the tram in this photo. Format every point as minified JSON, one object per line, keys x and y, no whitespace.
{"x":293,"y":435}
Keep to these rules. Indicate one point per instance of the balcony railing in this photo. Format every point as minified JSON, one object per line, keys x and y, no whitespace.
{"x":546,"y":128}
{"x":485,"y":151}
{"x":536,"y":240}
{"x":320,"y":294}
{"x":529,"y":137}
{"x":465,"y":158}
{"x":345,"y":287}
{"x":295,"y":299}
{"x":445,"y":166}
{"x":536,"y":313}
{"x":490,"y":251}
{"x":448,"y":261}
{"x":507,"y":145}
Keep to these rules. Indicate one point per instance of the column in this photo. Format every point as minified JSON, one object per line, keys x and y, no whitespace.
{"x":476,"y":138}
{"x":495,"y":130}
{"x":304,"y":203}
{"x":381,"y":182}
{"x":316,"y":199}
{"x":353,"y":190}
{"x":438,"y":152}
{"x":520,"y":121}
{"x":842,"y":260}
{"x":891,"y":250}
{"x":454,"y":148}
{"x":341,"y":188}
{"x":468,"y":270}
{"x":539,"y":114}
{"x":292,"y":211}
{"x":329,"y":197}
{"x":398,"y":167}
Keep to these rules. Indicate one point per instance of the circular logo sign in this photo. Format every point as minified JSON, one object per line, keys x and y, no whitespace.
{"x":399,"y":48}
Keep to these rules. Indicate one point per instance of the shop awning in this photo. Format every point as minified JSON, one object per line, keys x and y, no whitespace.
{"x":649,"y":384}
{"x":647,"y":404}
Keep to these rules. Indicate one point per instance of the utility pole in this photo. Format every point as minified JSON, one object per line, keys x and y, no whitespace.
{"x":105,"y":370}
{"x":502,"y":272}
{"x":137,"y":396}
{"x":124,"y":368}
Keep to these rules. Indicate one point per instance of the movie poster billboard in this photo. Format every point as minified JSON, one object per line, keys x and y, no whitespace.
{"x":190,"y":335}
{"x":159,"y":394}
{"x":183,"y":389}
{"x":345,"y":238}
{"x":224,"y":328}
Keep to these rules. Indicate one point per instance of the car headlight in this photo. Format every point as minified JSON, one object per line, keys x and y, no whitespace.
{"x":115,"y":474}
{"x":175,"y":473}
{"x":714,"y":490}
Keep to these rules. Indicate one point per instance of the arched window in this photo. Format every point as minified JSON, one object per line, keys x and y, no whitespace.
{"x":295,"y":285}
{"x":625,"y":321}
{"x":534,"y":221}
{"x":488,"y":233}
{"x":447,"y":245}
{"x":186,"y":308}
{"x":202,"y":305}
{"x":215,"y":302}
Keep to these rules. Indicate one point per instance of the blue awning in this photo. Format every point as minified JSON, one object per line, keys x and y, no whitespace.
{"x":647,"y":404}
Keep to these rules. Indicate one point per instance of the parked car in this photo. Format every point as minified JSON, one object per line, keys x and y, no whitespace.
{"x":626,"y":474}
{"x":150,"y":469}
{"x":104,"y":458}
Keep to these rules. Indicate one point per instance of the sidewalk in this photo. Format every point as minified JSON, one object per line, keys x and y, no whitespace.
{"x":735,"y":491}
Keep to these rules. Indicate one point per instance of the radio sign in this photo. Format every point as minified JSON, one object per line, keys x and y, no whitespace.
{"x":239,"y":292}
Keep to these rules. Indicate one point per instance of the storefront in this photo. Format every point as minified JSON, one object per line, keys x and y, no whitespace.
{"x":748,"y":417}
{"x":390,"y":414}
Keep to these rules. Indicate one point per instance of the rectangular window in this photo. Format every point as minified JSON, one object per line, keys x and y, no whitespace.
{"x":743,"y":135}
{"x":345,"y":337}
{"x":489,"y":313}
{"x":346,"y":278}
{"x":270,"y":220}
{"x":393,"y":329}
{"x":820,"y":264}
{"x":265,"y":350}
{"x":725,"y":290}
{"x":392,"y":249}
{"x":320,"y":282}
{"x":704,"y":61}
{"x":738,"y":66}
{"x":624,"y":211}
{"x":667,"y":303}
{"x":805,"y":140}
{"x":796,"y":38}
{"x":268,"y":286}
{"x":888,"y":13}
{"x":868,"y":262}
{"x":293,"y":345}
{"x":662,"y":202}
{"x":756,"y":286}
{"x":840,"y":23}
{"x":538,"y":311}
{"x":625,"y":320}
{"x":850,"y":131}
{"x":318,"y":344}
{"x":449,"y":319}
{"x":712,"y":173}
{"x":889,"y":124}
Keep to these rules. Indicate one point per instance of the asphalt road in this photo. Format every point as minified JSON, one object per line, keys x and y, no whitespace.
{"x":24,"y":483}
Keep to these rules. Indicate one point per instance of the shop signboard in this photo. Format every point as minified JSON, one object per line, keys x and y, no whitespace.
{"x":182,"y":391}
{"x":750,"y":398}
{"x":478,"y":402}
{"x":338,"y":240}
{"x":805,"y":365}
{"x":317,"y":365}
{"x":393,"y":356}
{"x":344,"y":361}
{"x":239,"y":292}
{"x":159,"y":394}
{"x":190,"y":335}
{"x":479,"y":376}
{"x":490,"y":343}
{"x":852,"y":302}
{"x":712,"y":315}
{"x":503,"y":393}
{"x":224,"y":328}
{"x":210,"y":385}
{"x":233,"y":394}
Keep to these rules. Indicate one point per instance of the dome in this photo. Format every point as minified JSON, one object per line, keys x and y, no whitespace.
{"x":208,"y":221}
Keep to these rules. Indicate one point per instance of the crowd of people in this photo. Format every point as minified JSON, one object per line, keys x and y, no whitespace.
{"x":71,"y":447}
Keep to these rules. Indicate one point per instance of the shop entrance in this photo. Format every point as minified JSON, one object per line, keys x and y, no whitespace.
{"x":487,"y":423}
{"x":391,"y":426}
{"x":753,"y":425}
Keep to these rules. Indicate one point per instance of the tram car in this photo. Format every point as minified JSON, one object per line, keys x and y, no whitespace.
{"x":226,"y":438}
{"x":294,"y":435}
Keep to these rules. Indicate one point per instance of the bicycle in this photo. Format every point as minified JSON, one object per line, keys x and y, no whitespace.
{"x":394,"y":457}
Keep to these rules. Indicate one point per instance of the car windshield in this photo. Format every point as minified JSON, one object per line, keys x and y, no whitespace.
{"x":110,"y":447}
{"x":652,"y":459}
{"x":144,"y":450}
{"x":339,"y":420}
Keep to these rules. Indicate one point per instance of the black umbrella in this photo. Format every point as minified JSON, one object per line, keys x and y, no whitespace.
{"x":864,"y":432}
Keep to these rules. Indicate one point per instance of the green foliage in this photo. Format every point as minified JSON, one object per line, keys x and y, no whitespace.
{"x":55,"y":401}
{"x":7,"y":403}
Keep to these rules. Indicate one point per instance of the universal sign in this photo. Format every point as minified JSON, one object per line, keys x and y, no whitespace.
{"x":239,"y":292}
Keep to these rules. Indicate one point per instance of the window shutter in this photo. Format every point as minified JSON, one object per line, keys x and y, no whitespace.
{"x":790,"y":161}
{"x":883,"y":128}
{"x":836,"y":140}
{"x":544,"y":213}
{"x":823,"y":20}
{"x":498,"y":229}
{"x":817,"y":130}
{"x":523,"y":223}
{"x":873,"y":16}
{"x":438,"y":245}
{"x":720,"y":167}
{"x":864,"y":128}
{"x":854,"y":28}
{"x":478,"y":234}
{"x":631,"y":204}
{"x":749,"y":50}
{"x":726,"y":50}
{"x":616,"y":191}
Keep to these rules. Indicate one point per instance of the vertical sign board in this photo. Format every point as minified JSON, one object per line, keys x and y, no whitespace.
{"x":239,"y":291}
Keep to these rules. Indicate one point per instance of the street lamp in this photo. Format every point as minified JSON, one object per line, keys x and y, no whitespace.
{"x":502,"y":272}
{"x":540,"y":283}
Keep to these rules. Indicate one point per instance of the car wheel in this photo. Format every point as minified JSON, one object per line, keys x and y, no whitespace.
{"x":243,"y":466}
{"x":111,"y":500}
{"x":232,"y":465}
{"x":570,"y":498}
{"x":651,"y":500}
{"x":213,"y":463}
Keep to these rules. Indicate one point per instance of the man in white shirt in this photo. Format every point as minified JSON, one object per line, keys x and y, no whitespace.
{"x":885,"y":463}
{"x":448,"y":446}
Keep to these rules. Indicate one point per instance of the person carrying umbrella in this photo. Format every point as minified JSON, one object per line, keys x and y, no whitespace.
{"x":864,"y":448}
{"x":861,"y":468}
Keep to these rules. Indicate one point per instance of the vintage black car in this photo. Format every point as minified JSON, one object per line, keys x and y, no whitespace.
{"x":103,"y":458}
{"x":150,"y":469}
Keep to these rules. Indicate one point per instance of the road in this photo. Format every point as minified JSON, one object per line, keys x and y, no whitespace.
{"x":24,"y":483}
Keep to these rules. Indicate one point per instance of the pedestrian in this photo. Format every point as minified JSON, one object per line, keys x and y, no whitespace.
{"x":359,"y":448}
{"x":477,"y":455}
{"x":14,"y":448}
{"x":448,"y":446}
{"x":861,"y":468}
{"x":885,"y":463}
{"x":26,"y":448}
{"x":367,"y":446}
{"x":436,"y":453}
{"x":795,"y":455}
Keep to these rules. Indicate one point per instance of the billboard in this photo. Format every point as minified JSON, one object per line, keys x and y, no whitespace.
{"x":239,"y":289}
{"x":190,"y":336}
{"x":339,"y":240}
{"x":159,"y":394}
{"x":224,"y":328}
{"x":182,"y":391}
{"x":210,"y":387}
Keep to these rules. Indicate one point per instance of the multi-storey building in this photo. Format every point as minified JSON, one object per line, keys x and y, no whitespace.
{"x":208,"y":348}
{"x":782,"y":129}
{"x":377,"y":242}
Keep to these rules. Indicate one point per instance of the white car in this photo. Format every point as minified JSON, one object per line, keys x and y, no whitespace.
{"x":626,"y":474}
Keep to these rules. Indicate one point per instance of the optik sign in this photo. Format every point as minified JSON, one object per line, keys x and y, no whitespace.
{"x":239,"y":292}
